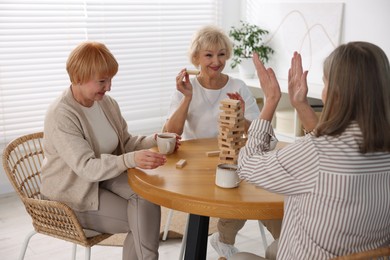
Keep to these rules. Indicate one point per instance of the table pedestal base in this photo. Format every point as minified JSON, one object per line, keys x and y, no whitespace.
{"x":197,"y":235}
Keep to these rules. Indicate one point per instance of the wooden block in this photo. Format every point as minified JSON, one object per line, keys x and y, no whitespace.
{"x":228,"y":161}
{"x":229,"y":151}
{"x":192,"y":72}
{"x":230,"y":102}
{"x":230,"y":108}
{"x":229,"y":157}
{"x":230,"y":134}
{"x":231,"y":124}
{"x":181,"y":163}
{"x":232,"y":145}
{"x":229,"y":115}
{"x":212,"y":153}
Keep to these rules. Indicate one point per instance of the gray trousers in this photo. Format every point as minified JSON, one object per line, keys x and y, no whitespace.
{"x":123,"y":211}
{"x":228,"y":229}
{"x":270,"y":254}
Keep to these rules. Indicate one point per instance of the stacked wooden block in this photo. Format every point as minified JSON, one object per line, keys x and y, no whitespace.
{"x":231,"y":130}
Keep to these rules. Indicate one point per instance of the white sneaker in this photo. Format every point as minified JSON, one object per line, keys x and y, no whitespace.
{"x":223,"y":250}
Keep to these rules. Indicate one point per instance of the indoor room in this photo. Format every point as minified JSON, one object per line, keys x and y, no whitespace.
{"x":151,"y":42}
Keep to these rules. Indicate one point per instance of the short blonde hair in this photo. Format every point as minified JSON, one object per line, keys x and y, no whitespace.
{"x":88,"y":60}
{"x":209,"y":37}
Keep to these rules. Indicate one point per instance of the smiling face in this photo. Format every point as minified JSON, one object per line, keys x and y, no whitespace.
{"x":212,"y":61}
{"x":91,"y":67}
{"x":93,"y":90}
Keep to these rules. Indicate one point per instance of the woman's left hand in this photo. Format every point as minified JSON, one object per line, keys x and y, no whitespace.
{"x":178,"y":143}
{"x":237,"y":96}
{"x":297,"y":82}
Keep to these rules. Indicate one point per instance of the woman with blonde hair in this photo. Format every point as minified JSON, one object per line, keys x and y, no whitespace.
{"x":195,"y":108}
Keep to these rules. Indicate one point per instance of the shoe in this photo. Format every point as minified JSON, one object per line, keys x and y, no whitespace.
{"x":223,"y":250}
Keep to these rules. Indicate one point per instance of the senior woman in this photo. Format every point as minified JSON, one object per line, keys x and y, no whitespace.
{"x":88,"y":149}
{"x":335,"y":179}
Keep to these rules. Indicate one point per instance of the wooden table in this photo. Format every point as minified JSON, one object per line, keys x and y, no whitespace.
{"x":192,"y":189}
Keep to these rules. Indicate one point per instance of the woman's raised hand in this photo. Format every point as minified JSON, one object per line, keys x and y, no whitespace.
{"x":183,"y":83}
{"x":146,"y":159}
{"x":268,"y":82}
{"x":297,"y":92}
{"x":297,"y":82}
{"x":270,"y":86}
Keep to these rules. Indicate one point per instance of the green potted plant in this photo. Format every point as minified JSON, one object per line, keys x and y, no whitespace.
{"x":247,"y":39}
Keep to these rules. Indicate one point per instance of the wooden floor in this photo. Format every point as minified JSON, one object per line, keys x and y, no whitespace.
{"x":15,"y":224}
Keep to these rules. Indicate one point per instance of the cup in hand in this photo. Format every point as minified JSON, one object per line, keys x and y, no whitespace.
{"x":226,"y":176}
{"x":166,"y":143}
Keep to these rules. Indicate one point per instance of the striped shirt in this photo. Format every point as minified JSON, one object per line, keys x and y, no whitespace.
{"x":337,"y":199}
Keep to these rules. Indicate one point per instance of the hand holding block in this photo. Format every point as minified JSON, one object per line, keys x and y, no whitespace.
{"x":181,"y":163}
{"x":192,"y":72}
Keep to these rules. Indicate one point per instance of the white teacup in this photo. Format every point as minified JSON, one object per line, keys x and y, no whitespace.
{"x":226,"y":176}
{"x":166,"y":143}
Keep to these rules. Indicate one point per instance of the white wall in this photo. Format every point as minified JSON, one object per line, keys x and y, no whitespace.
{"x":367,"y":21}
{"x":363,"y":20}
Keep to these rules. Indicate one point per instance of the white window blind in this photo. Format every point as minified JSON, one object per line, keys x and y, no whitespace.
{"x":149,"y":38}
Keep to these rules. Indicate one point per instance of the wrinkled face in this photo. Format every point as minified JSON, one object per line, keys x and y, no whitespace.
{"x":92,"y":90}
{"x":212,"y":61}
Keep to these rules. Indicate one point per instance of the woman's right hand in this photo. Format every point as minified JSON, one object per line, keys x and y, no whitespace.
{"x":146,"y":159}
{"x":270,"y":86}
{"x":183,"y":83}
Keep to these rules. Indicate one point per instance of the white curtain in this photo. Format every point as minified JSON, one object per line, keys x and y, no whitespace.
{"x":149,"y":38}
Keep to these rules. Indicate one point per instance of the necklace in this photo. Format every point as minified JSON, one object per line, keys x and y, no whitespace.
{"x":206,"y":96}
{"x":210,"y":95}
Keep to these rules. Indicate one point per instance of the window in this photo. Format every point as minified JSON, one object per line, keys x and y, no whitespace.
{"x":148,"y":38}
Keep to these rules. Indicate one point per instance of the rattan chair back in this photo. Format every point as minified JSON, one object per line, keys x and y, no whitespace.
{"x":22,"y":160}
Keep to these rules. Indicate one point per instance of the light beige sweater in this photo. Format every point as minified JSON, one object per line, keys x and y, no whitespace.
{"x":73,"y":165}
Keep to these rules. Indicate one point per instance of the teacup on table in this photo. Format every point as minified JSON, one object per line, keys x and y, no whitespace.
{"x":226,"y":176}
{"x":166,"y":143}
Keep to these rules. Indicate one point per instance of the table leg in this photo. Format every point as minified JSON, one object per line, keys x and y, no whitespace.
{"x":197,"y":235}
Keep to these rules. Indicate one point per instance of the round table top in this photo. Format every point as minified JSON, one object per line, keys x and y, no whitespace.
{"x":192,"y":188}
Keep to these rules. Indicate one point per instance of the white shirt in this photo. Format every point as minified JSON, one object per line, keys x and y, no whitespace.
{"x":203,"y":113}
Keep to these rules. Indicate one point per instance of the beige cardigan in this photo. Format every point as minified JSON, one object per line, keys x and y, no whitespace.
{"x":73,"y":165}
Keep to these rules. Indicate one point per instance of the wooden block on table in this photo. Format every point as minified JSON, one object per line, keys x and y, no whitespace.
{"x":212,"y":153}
{"x":181,"y":163}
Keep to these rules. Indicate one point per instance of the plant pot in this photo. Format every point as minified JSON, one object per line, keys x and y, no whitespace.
{"x":246,"y":68}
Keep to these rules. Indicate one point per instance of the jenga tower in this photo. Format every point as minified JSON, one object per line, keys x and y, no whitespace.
{"x":231,"y":130}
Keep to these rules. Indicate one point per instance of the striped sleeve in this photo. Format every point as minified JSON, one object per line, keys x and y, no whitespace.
{"x":288,"y":171}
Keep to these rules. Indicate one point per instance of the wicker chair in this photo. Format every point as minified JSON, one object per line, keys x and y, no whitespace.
{"x":379,"y":253}
{"x":22,"y":159}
